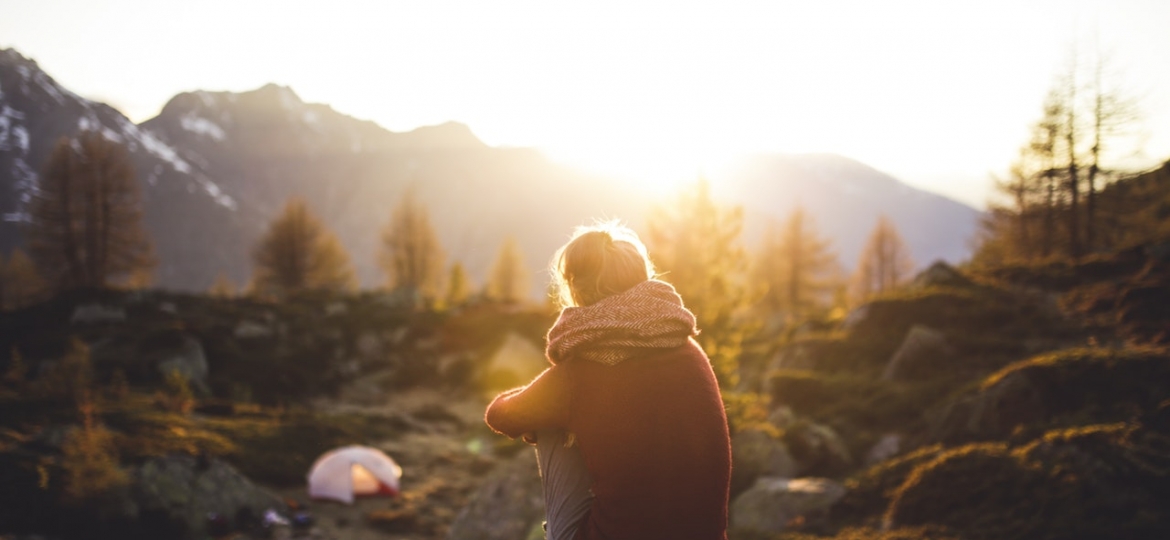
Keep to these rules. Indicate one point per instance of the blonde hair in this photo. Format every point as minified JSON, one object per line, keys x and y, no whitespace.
{"x":600,"y":260}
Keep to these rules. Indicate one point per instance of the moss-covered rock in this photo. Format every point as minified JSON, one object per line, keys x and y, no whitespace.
{"x":1101,"y":481}
{"x":772,"y":503}
{"x":870,"y":490}
{"x":755,"y":453}
{"x":506,"y":506}
{"x":1064,"y":388}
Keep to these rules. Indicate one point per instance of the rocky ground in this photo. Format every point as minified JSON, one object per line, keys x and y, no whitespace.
{"x":1021,"y":402}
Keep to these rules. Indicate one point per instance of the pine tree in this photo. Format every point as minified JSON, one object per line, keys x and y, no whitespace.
{"x":1051,"y":196}
{"x":299,"y":254}
{"x":411,"y":256}
{"x":85,"y":227}
{"x":796,"y":266}
{"x":885,"y":262}
{"x":89,"y":459}
{"x":20,"y":282}
{"x":458,"y":285}
{"x":508,"y":281}
{"x":223,"y":287}
{"x":17,"y":369}
{"x":695,"y":244}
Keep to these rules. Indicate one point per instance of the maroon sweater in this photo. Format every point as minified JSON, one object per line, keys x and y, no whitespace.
{"x":653,"y":434}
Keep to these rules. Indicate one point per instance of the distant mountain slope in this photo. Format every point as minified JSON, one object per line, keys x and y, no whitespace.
{"x":846,"y":197}
{"x":215,"y":167}
{"x":180,"y":198}
{"x":267,"y":145}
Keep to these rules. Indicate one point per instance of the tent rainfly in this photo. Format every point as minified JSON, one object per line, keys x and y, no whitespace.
{"x":343,"y":473}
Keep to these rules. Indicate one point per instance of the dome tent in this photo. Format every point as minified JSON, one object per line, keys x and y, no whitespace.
{"x":342,"y":473}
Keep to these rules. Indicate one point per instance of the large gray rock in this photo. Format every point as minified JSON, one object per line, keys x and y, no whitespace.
{"x":183,"y":354}
{"x":1011,"y":401}
{"x":885,"y":448}
{"x":818,"y":449}
{"x":923,"y":350}
{"x":251,"y":329}
{"x":803,"y":354}
{"x":782,"y":417}
{"x":97,"y":313}
{"x":755,"y":454}
{"x":507,"y":506}
{"x":855,"y":317}
{"x":184,"y":490}
{"x":772,"y":503}
{"x":940,"y":274}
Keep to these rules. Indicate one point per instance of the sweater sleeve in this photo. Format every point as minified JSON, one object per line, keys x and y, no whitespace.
{"x":542,"y":404}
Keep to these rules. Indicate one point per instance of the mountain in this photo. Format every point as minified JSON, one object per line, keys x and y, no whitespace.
{"x":267,"y":145}
{"x":215,"y":168}
{"x":179,"y":199}
{"x":846,"y":198}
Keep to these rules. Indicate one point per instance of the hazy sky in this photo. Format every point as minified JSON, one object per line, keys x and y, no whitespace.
{"x":939,"y":94}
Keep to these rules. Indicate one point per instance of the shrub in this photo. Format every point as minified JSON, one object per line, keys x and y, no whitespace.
{"x":90,"y":460}
{"x":176,"y":395}
{"x":68,"y":378}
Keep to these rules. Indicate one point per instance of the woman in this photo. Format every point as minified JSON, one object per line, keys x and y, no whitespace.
{"x":629,"y":425}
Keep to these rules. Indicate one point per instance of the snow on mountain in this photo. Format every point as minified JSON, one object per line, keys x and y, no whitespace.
{"x":36,"y":111}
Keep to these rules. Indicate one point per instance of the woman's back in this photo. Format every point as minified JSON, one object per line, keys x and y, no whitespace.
{"x":654,"y":436}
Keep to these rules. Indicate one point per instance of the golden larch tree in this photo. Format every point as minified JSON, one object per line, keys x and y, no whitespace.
{"x":885,"y":262}
{"x":20,"y":282}
{"x":85,"y":227}
{"x":223,"y":287}
{"x":299,"y":254}
{"x":508,"y":281}
{"x":695,"y":245}
{"x":458,"y":285}
{"x":796,"y":266}
{"x":410,"y":253}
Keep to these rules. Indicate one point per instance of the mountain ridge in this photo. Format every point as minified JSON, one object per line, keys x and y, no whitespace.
{"x":216,"y":166}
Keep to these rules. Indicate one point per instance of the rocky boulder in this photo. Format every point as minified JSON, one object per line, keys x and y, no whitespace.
{"x":772,"y":503}
{"x":940,"y":274}
{"x":1096,"y":481}
{"x":97,"y":313}
{"x":178,"y":352}
{"x":755,"y":454}
{"x":923,"y":352}
{"x":804,"y":354}
{"x":507,"y":506}
{"x":184,"y":491}
{"x":855,"y":317}
{"x":818,"y":449}
{"x":885,"y":448}
{"x":1068,"y":387}
{"x":1011,"y":401}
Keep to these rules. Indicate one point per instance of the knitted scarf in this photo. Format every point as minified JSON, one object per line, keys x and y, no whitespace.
{"x":649,"y":315}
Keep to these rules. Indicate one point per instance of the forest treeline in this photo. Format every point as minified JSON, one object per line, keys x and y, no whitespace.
{"x":1063,"y":197}
{"x":86,"y":230}
{"x":1061,"y":200}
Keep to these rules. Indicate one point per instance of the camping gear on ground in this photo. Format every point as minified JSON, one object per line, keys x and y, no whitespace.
{"x":302,"y":520}
{"x":343,"y":473}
